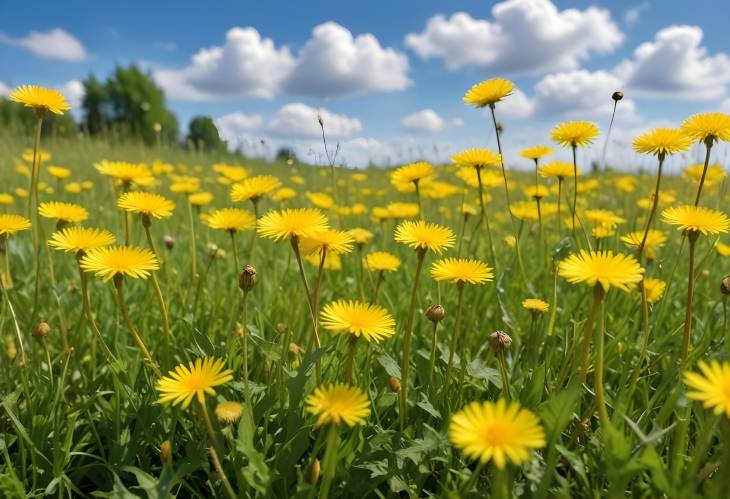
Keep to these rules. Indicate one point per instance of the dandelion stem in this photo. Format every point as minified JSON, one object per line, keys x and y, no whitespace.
{"x":692,"y":237}
{"x":655,"y":202}
{"x":119,"y":285}
{"x":113,"y":363}
{"x":193,"y":256}
{"x":484,"y":216}
{"x":598,"y":376}
{"x":455,"y":335}
{"x":330,"y":461}
{"x":708,"y":145}
{"x":575,"y":189}
{"x":312,"y":314}
{"x":158,"y":290}
{"x":215,"y":449}
{"x":378,"y":282}
{"x":351,"y":347}
{"x":234,"y":249}
{"x":252,"y":244}
{"x":598,"y":294}
{"x":503,"y":374}
{"x":432,"y":361}
{"x":407,"y":341}
{"x":244,"y":345}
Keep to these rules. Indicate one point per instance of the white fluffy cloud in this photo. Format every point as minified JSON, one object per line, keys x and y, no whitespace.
{"x":675,"y":65}
{"x":52,"y":44}
{"x":247,"y":65}
{"x":298,"y":120}
{"x":525,"y":36}
{"x":426,"y":120}
{"x":233,"y":127}
{"x":332,"y":63}
{"x":4,"y":89}
{"x":74,"y":92}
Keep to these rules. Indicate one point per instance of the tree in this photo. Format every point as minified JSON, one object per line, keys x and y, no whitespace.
{"x":203,"y":134}
{"x":128,"y":102}
{"x":286,"y":154}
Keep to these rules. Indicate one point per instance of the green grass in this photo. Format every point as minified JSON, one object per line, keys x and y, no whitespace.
{"x":79,"y":428}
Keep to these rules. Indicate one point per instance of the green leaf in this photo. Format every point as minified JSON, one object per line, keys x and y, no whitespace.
{"x":390,"y":365}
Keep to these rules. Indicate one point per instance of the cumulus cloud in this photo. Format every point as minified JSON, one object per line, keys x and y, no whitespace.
{"x":247,"y":65}
{"x":297,"y":120}
{"x":632,"y":14}
{"x":332,"y":63}
{"x":232,"y":127}
{"x":426,"y":120}
{"x":517,"y":105}
{"x":524,"y":36}
{"x":4,"y":89}
{"x":74,"y":92}
{"x":675,"y":65}
{"x":52,"y":44}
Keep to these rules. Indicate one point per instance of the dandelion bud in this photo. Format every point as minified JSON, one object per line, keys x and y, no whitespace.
{"x":394,"y":384}
{"x":146,"y":222}
{"x":725,"y":286}
{"x":320,"y":120}
{"x":157,"y":127}
{"x":212,"y":249}
{"x":312,"y":474}
{"x":11,"y":351}
{"x":169,"y":241}
{"x":281,"y":328}
{"x":705,"y":273}
{"x":220,"y":253}
{"x":41,"y":330}
{"x":228,"y":412}
{"x":435,"y":313}
{"x":499,"y":341}
{"x":617,"y":95}
{"x":247,"y":280}
{"x":165,"y":451}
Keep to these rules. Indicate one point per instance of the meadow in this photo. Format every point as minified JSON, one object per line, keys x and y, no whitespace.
{"x":187,"y":324}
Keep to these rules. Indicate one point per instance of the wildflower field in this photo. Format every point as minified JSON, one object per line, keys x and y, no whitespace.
{"x":186,"y":324}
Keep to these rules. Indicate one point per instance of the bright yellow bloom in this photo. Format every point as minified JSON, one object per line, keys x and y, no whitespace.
{"x":136,"y":173}
{"x":603,"y":231}
{"x":603,"y":217}
{"x":536,"y":191}
{"x":654,"y":289}
{"x":200,"y":198}
{"x":510,"y":241}
{"x":40,"y":98}
{"x":338,"y":403}
{"x":471,"y":178}
{"x":284,"y":194}
{"x":382,"y":261}
{"x":11,"y":223}
{"x":601,"y":267}
{"x":332,"y":261}
{"x":461,"y":270}
{"x":626,"y":183}
{"x":41,"y":156}
{"x":723,"y":249}
{"x":368,"y":320}
{"x":63,"y":212}
{"x":360,"y":236}
{"x":498,"y":432}
{"x":476,"y":158}
{"x":6,"y":199}
{"x":73,"y":187}
{"x":712,"y":387}
{"x":714,"y":174}
{"x":574,"y":133}
{"x":654,"y":239}
{"x":697,"y":219}
{"x":525,"y":210}
{"x":321,"y":200}
{"x":334,"y":241}
{"x":253,"y":188}
{"x":297,"y":179}
{"x":80,"y":239}
{"x":402,"y":210}
{"x":146,"y":203}
{"x":228,"y":412}
{"x":231,"y":219}
{"x":59,"y":172}
{"x":535,"y":305}
{"x":288,"y":223}
{"x":185,"y":184}
{"x":424,"y":236}
{"x":405,"y":177}
{"x":108,"y":262}
{"x":489,"y":92}
{"x":536,"y":152}
{"x":557,"y":169}
{"x":194,"y":380}
{"x":705,"y":127}
{"x":662,"y":142}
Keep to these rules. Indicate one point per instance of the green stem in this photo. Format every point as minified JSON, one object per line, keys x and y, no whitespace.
{"x":330,"y":461}
{"x":432,"y":361}
{"x":598,"y":295}
{"x":193,"y":255}
{"x":455,"y":336}
{"x":234,"y":246}
{"x":655,"y":202}
{"x":113,"y":363}
{"x":158,"y":290}
{"x":244,"y":345}
{"x":708,"y":145}
{"x":351,"y":347}
{"x":686,"y":337}
{"x":598,"y":376}
{"x":215,"y":452}
{"x":147,"y":356}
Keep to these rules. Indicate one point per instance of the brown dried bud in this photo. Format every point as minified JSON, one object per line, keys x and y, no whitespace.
{"x":499,"y":341}
{"x":500,"y":128}
{"x":312,"y":474}
{"x":169,"y":241}
{"x":617,"y":95}
{"x":165,"y":452}
{"x":320,"y":120}
{"x":725,"y":286}
{"x":435,"y":313}
{"x":281,"y":328}
{"x":394,"y":384}
{"x":248,"y":278}
{"x":41,"y":330}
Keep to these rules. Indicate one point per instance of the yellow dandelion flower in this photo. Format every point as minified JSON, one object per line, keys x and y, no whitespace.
{"x":710,"y":127}
{"x":368,"y":320}
{"x":662,"y":142}
{"x":405,"y":177}
{"x":40,"y":98}
{"x":59,"y":172}
{"x":626,"y":183}
{"x":288,"y":223}
{"x":654,"y":289}
{"x":536,"y":191}
{"x":655,"y":239}
{"x":228,"y":412}
{"x":297,"y":179}
{"x":423,"y":236}
{"x":603,"y":217}
{"x":557,"y":169}
{"x":723,"y":249}
{"x":11,"y":223}
{"x":713,"y":175}
{"x":525,"y":210}
{"x":535,"y":305}
{"x":360,"y":236}
{"x":489,"y":92}
{"x":284,"y":194}
{"x":231,"y":219}
{"x":476,"y":158}
{"x":80,"y":239}
{"x":712,"y":387}
{"x":253,"y":188}
{"x":338,"y":403}
{"x":536,"y":152}
{"x":200,"y":198}
{"x":697,"y":219}
{"x":6,"y":199}
{"x":606,"y":268}
{"x":574,"y":133}
{"x":146,"y":203}
{"x":498,"y":432}
{"x":332,"y":261}
{"x":402,"y":210}
{"x":382,"y":261}
{"x":63,"y":212}
{"x":127,"y":173}
{"x":461,"y":270}
{"x":108,"y":262}
{"x":197,"y":379}
{"x":334,"y":241}
{"x":73,"y":187}
{"x":321,"y":200}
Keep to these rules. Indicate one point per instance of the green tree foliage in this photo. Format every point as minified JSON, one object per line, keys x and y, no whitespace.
{"x":203,"y":134}
{"x":129,"y":102}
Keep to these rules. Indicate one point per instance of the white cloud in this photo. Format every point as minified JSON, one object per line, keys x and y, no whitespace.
{"x":298,"y":120}
{"x":333,"y":63}
{"x":245,"y":66}
{"x":675,"y":65}
{"x":517,"y":105}
{"x":631,"y":16}
{"x":52,"y":44}
{"x":236,"y":126}
{"x":525,"y":36}
{"x":74,"y":92}
{"x":426,"y":120}
{"x":4,"y":89}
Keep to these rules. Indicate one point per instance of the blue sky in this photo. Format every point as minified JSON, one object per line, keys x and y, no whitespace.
{"x":387,"y":76}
